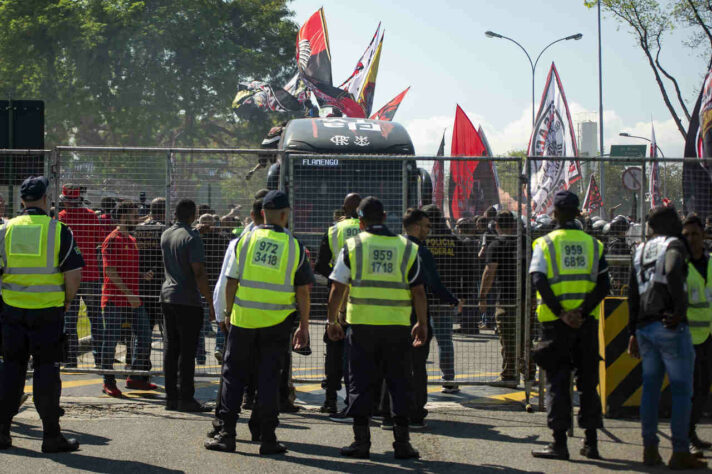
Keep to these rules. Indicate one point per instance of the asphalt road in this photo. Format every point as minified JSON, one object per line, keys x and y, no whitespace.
{"x":138,"y":436}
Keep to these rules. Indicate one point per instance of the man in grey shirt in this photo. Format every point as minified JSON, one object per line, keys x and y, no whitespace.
{"x":186,"y":279}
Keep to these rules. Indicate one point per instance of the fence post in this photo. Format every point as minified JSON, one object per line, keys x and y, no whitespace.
{"x":169,"y":183}
{"x":54,"y":170}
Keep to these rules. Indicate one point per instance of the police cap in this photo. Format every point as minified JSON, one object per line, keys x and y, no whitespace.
{"x":33,"y":188}
{"x":275,"y":200}
{"x":566,"y":200}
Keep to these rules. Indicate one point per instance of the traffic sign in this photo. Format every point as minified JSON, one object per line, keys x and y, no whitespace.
{"x":633,"y":178}
{"x":629,"y":151}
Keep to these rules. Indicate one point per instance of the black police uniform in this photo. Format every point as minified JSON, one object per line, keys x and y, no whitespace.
{"x":38,"y":333}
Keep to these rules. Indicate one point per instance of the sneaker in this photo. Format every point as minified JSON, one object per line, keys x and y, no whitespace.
{"x":450,"y":387}
{"x":219,"y":356}
{"x":341,"y":417}
{"x":504,"y":382}
{"x":417,"y":425}
{"x":140,"y":384}
{"x":112,"y":391}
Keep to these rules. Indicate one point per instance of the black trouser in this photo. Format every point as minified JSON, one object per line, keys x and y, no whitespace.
{"x":334,"y":367}
{"x":265,"y":347}
{"x":285,"y":385}
{"x":181,"y":330}
{"x":368,"y":350}
{"x":578,"y":353}
{"x":702,"y":381}
{"x":419,"y":358}
{"x":37,"y":333}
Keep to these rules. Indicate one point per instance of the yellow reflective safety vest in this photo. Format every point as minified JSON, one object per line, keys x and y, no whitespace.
{"x":267,"y":262}
{"x":699,"y":311}
{"x":339,"y":233}
{"x":572,"y":259}
{"x":379,"y":292}
{"x":29,"y":248}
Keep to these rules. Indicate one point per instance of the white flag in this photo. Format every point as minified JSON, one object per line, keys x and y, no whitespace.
{"x":553,"y":135}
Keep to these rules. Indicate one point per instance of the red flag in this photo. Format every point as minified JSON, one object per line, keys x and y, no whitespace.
{"x":464,"y":190}
{"x":439,"y":176}
{"x":593,"y":200}
{"x":388,"y":111}
{"x":314,"y":65}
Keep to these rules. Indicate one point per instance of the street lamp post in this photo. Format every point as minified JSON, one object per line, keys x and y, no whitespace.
{"x":533,"y":64}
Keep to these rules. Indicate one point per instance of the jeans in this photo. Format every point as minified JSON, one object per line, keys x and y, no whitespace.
{"x":442,"y":330}
{"x":206,"y":329}
{"x":489,"y":314}
{"x":90,"y":292}
{"x":666,"y":351}
{"x":702,"y":381}
{"x":220,"y":338}
{"x":114,"y":318}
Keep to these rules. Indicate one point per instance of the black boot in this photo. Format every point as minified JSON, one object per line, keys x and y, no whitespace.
{"x":269,"y":444}
{"x":59,"y":444}
{"x":217,"y":428}
{"x":361,"y":447}
{"x":552,"y":451}
{"x":224,"y":442}
{"x":402,"y":447}
{"x":590,"y":445}
{"x":5,"y":438}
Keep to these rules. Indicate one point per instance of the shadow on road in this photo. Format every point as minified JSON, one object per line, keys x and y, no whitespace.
{"x":92,"y":463}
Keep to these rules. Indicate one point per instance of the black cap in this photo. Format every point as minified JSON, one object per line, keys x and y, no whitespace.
{"x":566,"y":200}
{"x":274,"y":200}
{"x":370,"y":209}
{"x":33,"y":188}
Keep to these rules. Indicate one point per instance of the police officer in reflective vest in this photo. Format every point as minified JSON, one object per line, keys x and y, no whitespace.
{"x":570,"y":274}
{"x":382,"y":274}
{"x":699,"y":317}
{"x":41,"y":267}
{"x":268,"y":283}
{"x":331,"y":244}
{"x":660,"y":334}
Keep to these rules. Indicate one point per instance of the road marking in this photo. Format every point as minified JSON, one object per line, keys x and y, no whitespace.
{"x":514,"y":396}
{"x":72,"y":384}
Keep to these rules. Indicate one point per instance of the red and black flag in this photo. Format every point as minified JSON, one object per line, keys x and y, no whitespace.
{"x":388,"y":111}
{"x":314,"y":64}
{"x":697,"y":175}
{"x":593,"y":200}
{"x":473,"y":188}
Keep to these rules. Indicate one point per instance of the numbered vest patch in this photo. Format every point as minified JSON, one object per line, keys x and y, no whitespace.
{"x":574,"y":256}
{"x":382,"y":260}
{"x":351,"y":232}
{"x":268,"y":253}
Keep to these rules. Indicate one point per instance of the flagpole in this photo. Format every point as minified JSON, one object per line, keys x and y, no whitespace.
{"x":602,"y":180}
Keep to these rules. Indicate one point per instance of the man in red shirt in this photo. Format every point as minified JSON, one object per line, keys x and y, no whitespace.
{"x":87,"y":233}
{"x":121,"y":303}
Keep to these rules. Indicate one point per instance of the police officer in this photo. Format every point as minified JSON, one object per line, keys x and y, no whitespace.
{"x":570,"y":274}
{"x":699,"y":317}
{"x":660,"y":334}
{"x":331,"y":244}
{"x":268,"y":282}
{"x":381,"y":272}
{"x":38,"y":284}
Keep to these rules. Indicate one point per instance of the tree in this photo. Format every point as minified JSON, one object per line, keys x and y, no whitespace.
{"x":151,"y":72}
{"x":649,"y":21}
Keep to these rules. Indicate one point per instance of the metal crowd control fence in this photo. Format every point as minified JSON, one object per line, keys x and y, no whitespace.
{"x":490,"y":340}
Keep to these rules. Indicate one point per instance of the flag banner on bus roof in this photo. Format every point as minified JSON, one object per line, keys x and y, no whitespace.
{"x":388,"y":111}
{"x":593,"y":200}
{"x":314,"y":65}
{"x":439,"y":175}
{"x":368,"y":89}
{"x":697,"y":176}
{"x":656,"y":198}
{"x":553,"y":135}
{"x":472,"y":187}
{"x":355,"y":81}
{"x":267,"y":97}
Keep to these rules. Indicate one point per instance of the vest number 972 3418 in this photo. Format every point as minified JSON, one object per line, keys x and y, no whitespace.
{"x":267,"y":254}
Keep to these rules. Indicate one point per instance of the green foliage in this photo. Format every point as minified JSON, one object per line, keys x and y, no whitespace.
{"x":152,"y":72}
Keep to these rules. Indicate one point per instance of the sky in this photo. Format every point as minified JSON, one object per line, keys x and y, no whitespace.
{"x":441,"y":51}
